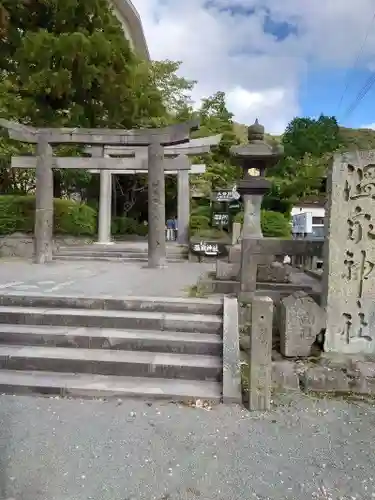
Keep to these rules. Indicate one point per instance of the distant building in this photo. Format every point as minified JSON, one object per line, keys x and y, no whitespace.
{"x":308,"y":218}
{"x":132,"y":26}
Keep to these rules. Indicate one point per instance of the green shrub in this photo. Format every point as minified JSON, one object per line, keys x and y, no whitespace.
{"x":211,"y":234}
{"x":17,"y":214}
{"x":200,"y":210}
{"x":274,"y":224}
{"x":198,"y":222}
{"x":126,"y":225}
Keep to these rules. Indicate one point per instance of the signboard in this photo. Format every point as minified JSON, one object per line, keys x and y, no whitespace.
{"x":302,"y":223}
{"x":226,"y":195}
{"x":234,"y":205}
{"x":220,"y":219}
{"x":221,"y":196}
{"x":208,"y":249}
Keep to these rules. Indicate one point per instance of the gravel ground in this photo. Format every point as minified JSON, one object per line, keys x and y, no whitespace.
{"x":53,"y":449}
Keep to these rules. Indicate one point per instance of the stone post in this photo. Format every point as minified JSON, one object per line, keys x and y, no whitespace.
{"x":43,"y":202}
{"x":260,"y":363}
{"x":105,"y":200}
{"x":156,"y":206}
{"x":183,"y":207}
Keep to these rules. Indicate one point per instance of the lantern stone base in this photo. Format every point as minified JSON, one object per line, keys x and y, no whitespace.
{"x":274,"y":272}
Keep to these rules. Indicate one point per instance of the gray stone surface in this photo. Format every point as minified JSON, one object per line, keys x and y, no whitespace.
{"x":349,"y":260}
{"x":111,"y":362}
{"x":183,"y":206}
{"x":43,"y":202}
{"x":23,"y":246}
{"x":303,"y":449}
{"x":231,"y":353}
{"x":284,"y":375}
{"x":274,"y":272}
{"x":260,"y":353}
{"x":111,"y":319}
{"x":112,"y":338}
{"x":226,"y":270}
{"x":300,"y":320}
{"x":99,"y":279}
{"x":156,"y":206}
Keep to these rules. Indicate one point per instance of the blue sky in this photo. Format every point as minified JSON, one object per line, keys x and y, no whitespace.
{"x":274,"y":59}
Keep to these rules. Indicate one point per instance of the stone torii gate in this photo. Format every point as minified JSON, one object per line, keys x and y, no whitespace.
{"x":195,"y":147}
{"x":153,"y":139}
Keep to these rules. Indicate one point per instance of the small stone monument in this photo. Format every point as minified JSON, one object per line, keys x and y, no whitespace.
{"x":300,"y":321}
{"x":349,"y":254}
{"x":254,"y":157}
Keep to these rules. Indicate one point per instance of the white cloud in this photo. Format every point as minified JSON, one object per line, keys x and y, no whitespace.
{"x":227,"y":51}
{"x":371,"y":126}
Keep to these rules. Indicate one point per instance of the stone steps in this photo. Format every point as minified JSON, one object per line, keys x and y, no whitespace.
{"x":110,"y":362}
{"x":93,"y":318}
{"x":97,"y":386}
{"x":111,"y":338}
{"x":212,"y":306}
{"x":87,"y":346}
{"x":100,"y":258}
{"x":115,"y":253}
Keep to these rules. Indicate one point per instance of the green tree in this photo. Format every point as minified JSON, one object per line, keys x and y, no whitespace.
{"x":216,"y":119}
{"x":175,"y":89}
{"x":311,"y":136}
{"x":67,"y":63}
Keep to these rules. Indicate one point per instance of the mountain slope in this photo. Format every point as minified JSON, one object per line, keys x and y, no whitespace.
{"x":352,"y":137}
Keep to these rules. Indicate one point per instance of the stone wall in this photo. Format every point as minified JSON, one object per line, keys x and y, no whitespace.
{"x":22,"y":245}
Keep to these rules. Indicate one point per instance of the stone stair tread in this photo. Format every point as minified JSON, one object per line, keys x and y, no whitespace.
{"x":113,"y":333}
{"x":116,"y":258}
{"x":107,"y":385}
{"x":107,"y":355}
{"x":187,"y":317}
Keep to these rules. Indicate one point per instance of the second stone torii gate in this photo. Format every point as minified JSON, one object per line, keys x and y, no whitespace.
{"x":183,"y":195}
{"x":194,"y":147}
{"x":154,"y":139}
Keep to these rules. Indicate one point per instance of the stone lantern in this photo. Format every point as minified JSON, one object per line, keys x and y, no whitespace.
{"x":254,"y":157}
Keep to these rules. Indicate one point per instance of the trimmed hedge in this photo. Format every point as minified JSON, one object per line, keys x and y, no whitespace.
{"x":17,"y":214}
{"x":274,"y":224}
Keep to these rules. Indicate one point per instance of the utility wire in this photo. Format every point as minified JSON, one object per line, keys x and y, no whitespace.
{"x":361,"y":95}
{"x":358,"y":56}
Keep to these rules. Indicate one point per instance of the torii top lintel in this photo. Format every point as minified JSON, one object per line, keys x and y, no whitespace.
{"x":168,"y":136}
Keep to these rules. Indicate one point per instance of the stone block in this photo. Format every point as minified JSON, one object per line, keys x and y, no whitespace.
{"x":226,"y":270}
{"x":300,"y":321}
{"x":325,"y":379}
{"x":284,"y":375}
{"x":274,"y":272}
{"x":365,"y":377}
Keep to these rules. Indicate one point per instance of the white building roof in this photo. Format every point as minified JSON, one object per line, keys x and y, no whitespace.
{"x":132,"y":25}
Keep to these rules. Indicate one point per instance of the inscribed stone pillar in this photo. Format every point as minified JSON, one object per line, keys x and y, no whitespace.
{"x":105,"y":200}
{"x":156,"y":206}
{"x":349,"y":254}
{"x":183,"y":206}
{"x":43,"y":202}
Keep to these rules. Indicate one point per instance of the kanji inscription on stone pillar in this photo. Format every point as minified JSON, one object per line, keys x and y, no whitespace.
{"x":349,"y":260}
